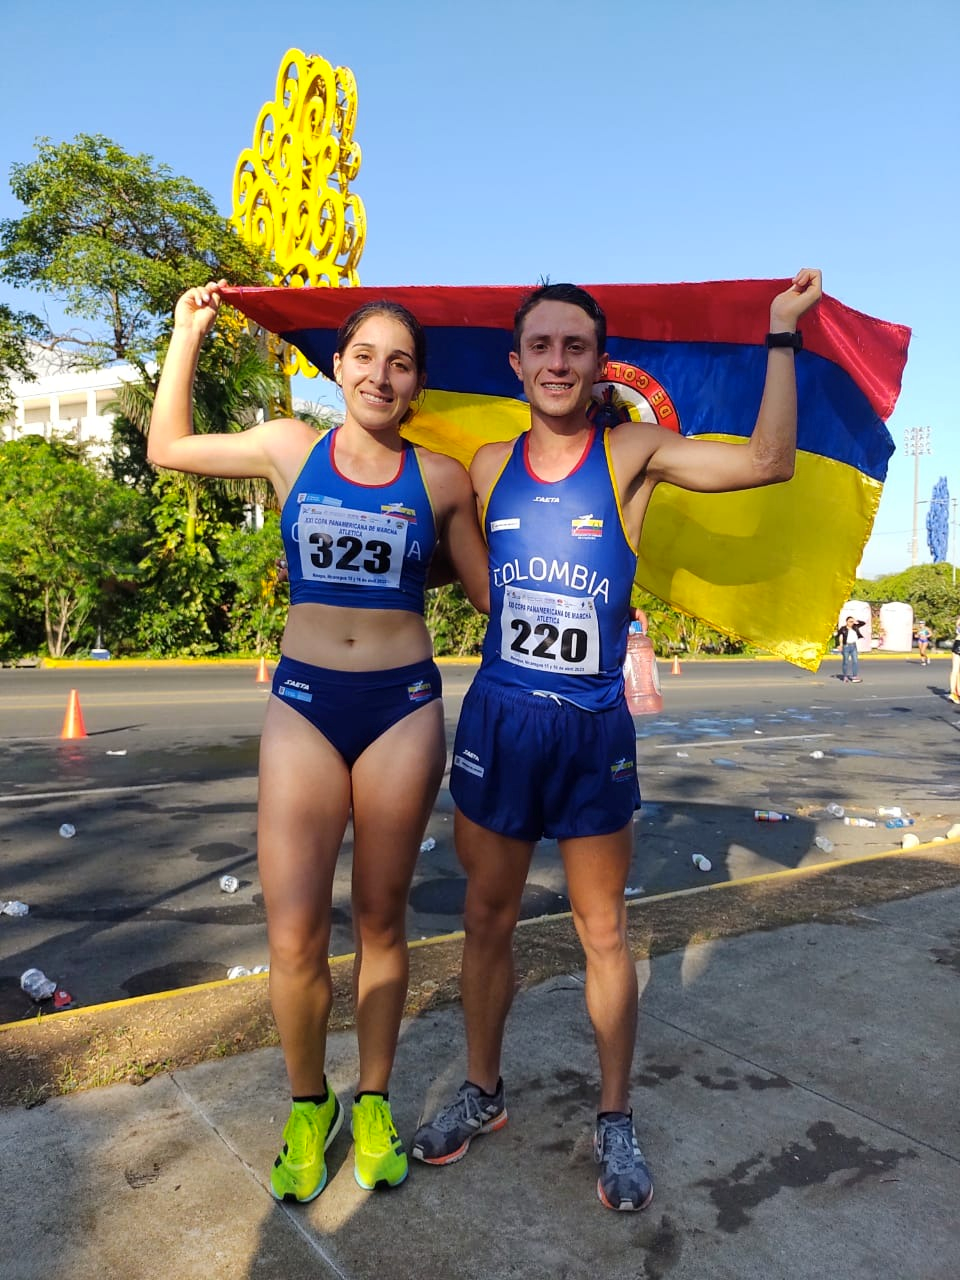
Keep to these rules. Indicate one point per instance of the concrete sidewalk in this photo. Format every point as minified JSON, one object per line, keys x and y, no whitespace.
{"x":796,"y":1094}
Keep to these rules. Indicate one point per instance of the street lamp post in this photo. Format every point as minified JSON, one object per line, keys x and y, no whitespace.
{"x":916,"y":441}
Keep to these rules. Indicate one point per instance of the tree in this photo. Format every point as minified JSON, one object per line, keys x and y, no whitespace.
{"x":928,"y":588}
{"x":66,"y":532}
{"x":116,"y":238}
{"x":259,"y":607}
{"x":455,"y":625}
{"x":16,"y":330}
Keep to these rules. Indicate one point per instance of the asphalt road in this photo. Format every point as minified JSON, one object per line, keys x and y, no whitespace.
{"x":162,"y":793}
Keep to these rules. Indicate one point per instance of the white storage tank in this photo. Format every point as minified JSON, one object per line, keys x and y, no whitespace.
{"x":860,"y":610}
{"x":896,"y":627}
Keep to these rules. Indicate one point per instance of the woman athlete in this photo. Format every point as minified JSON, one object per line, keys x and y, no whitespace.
{"x":355,"y":720}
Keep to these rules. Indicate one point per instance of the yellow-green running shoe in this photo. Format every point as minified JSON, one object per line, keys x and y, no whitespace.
{"x":300,"y":1172}
{"x":379,"y":1159}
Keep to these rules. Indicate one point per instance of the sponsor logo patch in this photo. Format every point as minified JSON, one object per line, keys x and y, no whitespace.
{"x":621,"y":770}
{"x":497,"y":526}
{"x":420,"y":691}
{"x":461,"y":762}
{"x":398,"y":509}
{"x":297,"y":692}
{"x":319,"y":500}
{"x":586,"y":526}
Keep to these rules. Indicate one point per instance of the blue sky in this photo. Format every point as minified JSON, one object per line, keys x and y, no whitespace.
{"x":617,"y":140}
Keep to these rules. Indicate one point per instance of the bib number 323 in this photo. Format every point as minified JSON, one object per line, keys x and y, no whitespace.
{"x":344,"y":546}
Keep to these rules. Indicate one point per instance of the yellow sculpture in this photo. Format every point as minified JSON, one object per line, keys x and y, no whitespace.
{"x":291,"y":187}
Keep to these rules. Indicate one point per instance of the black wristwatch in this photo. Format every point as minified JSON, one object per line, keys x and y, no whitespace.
{"x":792,"y":340}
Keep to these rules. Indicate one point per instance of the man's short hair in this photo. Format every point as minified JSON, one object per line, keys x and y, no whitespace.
{"x":571,"y":293}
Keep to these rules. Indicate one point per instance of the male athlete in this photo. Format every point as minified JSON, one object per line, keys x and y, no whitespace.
{"x":545,"y":746}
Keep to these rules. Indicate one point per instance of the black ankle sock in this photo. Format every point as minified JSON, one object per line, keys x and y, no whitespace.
{"x":483,"y":1093}
{"x":319,"y":1099}
{"x":372,"y":1093}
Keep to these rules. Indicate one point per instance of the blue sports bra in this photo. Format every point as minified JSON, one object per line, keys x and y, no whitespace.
{"x":358,"y":546}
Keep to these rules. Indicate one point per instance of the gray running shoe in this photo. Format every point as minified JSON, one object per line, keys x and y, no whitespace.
{"x":445,"y":1139}
{"x":624,"y":1181}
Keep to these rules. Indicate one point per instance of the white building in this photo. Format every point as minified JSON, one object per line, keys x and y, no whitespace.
{"x":64,"y":401}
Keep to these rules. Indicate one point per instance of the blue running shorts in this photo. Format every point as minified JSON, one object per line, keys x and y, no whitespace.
{"x":528,"y":766}
{"x":353,"y":708}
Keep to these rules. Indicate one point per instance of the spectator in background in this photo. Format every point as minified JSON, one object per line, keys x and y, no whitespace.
{"x":847,"y":637}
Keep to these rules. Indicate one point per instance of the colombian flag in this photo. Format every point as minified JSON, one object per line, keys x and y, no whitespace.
{"x":772,"y":565}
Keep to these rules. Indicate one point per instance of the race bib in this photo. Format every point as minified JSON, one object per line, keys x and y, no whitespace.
{"x":544,"y":632}
{"x":362,"y":548}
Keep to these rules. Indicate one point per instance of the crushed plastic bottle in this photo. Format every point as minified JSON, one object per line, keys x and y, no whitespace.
{"x":632,"y":891}
{"x":701,"y":862}
{"x":770,"y":815}
{"x":14,"y":908}
{"x":260,"y":968}
{"x":909,"y":841}
{"x":898,"y":822}
{"x":861,"y":822}
{"x":683,"y":755}
{"x":67,"y":830}
{"x":823,"y":844}
{"x":229,"y":884}
{"x":954,"y":831}
{"x":816,"y":755}
{"x":37,"y":985}
{"x":893,"y":812}
{"x":238,"y":971}
{"x":836,"y":810}
{"x":428,"y":844}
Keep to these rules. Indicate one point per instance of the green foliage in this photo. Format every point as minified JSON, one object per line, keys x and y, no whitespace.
{"x":66,"y":534}
{"x":671,"y":630}
{"x":16,"y":330}
{"x":117,"y":238}
{"x":185,"y":598}
{"x":259,"y":607}
{"x":928,"y":588}
{"x":455,"y":625}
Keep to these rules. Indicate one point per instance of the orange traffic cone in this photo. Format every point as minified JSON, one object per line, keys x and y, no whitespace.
{"x":263,"y":676}
{"x":675,"y":671}
{"x":73,"y":726}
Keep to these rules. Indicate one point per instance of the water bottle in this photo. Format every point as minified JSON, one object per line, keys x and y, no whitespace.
{"x":641,"y":676}
{"x":823,"y":844}
{"x":37,"y":985}
{"x":238,"y":971}
{"x":770,"y":815}
{"x":899,"y":822}
{"x":859,"y":822}
{"x":68,"y":830}
{"x":893,"y":812}
{"x":428,"y":844}
{"x":14,"y":908}
{"x":229,"y":884}
{"x":836,"y":810}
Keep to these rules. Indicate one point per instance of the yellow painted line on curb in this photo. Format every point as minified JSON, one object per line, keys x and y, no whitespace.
{"x":791,"y":873}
